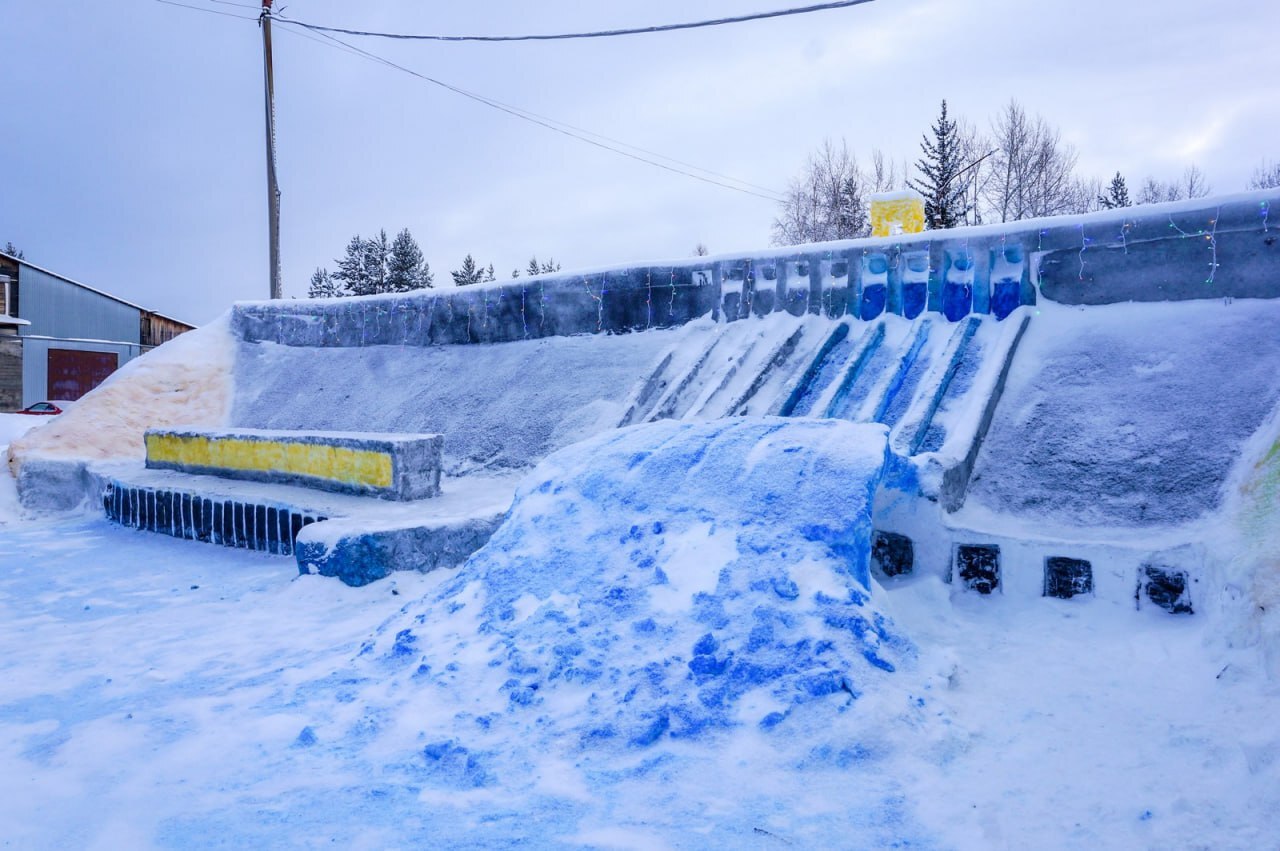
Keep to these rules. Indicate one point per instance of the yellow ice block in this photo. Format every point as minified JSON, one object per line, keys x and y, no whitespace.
{"x":894,"y":213}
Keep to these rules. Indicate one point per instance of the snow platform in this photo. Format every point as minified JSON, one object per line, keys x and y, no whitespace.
{"x":356,"y":539}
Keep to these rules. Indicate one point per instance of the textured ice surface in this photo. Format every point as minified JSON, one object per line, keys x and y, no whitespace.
{"x":1129,"y":415}
{"x":498,"y":405}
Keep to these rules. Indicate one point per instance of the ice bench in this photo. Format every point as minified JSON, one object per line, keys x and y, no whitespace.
{"x":306,"y":494}
{"x":390,"y":466}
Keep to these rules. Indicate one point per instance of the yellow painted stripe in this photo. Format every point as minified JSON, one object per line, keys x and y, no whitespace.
{"x":316,"y":460}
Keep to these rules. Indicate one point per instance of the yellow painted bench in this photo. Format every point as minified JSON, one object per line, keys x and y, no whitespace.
{"x":390,"y":466}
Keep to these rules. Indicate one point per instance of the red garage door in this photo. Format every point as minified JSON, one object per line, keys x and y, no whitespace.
{"x":73,"y":374}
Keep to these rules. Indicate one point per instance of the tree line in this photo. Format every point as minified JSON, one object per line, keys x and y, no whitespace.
{"x":376,"y":265}
{"x":1018,"y":168}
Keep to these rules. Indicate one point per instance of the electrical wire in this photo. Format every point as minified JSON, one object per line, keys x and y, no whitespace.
{"x":210,"y":11}
{"x":591,"y":138}
{"x":559,"y":127}
{"x":715,"y":22}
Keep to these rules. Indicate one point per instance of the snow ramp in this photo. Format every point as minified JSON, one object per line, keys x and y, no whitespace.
{"x":690,"y":590}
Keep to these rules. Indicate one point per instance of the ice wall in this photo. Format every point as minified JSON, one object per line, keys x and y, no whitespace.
{"x":1204,"y":248}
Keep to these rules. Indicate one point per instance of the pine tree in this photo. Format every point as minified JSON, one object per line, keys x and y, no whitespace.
{"x":406,"y":267}
{"x":1117,"y":194}
{"x":374,"y":259}
{"x":550,"y":266}
{"x":351,"y":274}
{"x":515,"y":273}
{"x":533,"y":268}
{"x":941,"y":183}
{"x":13,"y":251}
{"x":468,"y":274}
{"x":488,"y":275}
{"x":323,"y":285}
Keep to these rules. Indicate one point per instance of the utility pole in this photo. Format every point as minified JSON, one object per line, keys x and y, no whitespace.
{"x":273,"y":189}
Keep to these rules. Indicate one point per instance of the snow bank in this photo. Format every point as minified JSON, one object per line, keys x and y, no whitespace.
{"x":185,"y":382}
{"x":698,"y":590}
{"x":13,"y":426}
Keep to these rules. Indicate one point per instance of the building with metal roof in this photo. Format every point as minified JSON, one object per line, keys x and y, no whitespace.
{"x":60,"y":338}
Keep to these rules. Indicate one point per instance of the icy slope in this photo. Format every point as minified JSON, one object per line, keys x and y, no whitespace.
{"x":1129,"y":415}
{"x":501,"y":405}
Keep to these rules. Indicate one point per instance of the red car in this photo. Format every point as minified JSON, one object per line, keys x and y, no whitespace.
{"x":43,"y":408}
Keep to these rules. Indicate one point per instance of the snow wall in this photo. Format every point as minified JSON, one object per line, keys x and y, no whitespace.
{"x":1207,"y":248}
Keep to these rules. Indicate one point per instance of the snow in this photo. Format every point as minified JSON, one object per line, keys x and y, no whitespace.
{"x":13,"y":426}
{"x":498,"y":406}
{"x":673,"y":640}
{"x":185,"y":382}
{"x":1129,"y":415}
{"x":203,"y":697}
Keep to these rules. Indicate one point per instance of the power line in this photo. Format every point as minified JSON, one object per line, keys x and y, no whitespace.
{"x":597,"y":139}
{"x":714,"y":22}
{"x":559,"y":127}
{"x":346,"y":48}
{"x":210,"y":11}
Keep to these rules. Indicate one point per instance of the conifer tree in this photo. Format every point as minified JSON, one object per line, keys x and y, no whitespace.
{"x":323,"y":285}
{"x":375,"y":257}
{"x":533,"y":268}
{"x":488,"y":275}
{"x":941,"y":182}
{"x":550,"y":266}
{"x":407,"y":269}
{"x":1117,"y":194}
{"x":13,"y":251}
{"x":468,"y":274}
{"x":351,"y":274}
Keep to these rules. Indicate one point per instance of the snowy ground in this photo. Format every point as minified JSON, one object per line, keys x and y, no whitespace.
{"x":161,"y":693}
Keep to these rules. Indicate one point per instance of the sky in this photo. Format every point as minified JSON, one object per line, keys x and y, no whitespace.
{"x":133,"y":149}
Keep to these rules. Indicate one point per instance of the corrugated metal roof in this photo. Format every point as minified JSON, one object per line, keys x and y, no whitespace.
{"x":94,"y":290}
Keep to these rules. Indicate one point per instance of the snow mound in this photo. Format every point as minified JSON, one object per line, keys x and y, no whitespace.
{"x":661,"y":574}
{"x":185,"y":382}
{"x":660,"y":599}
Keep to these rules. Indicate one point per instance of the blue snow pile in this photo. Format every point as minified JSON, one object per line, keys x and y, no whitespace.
{"x":661,"y":583}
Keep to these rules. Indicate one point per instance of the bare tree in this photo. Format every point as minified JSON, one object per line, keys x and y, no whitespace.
{"x":827,"y":201}
{"x":884,"y":173}
{"x":1154,"y":191}
{"x":1265,"y":176}
{"x":1032,"y":169}
{"x":975,"y":153}
{"x":1192,"y":185}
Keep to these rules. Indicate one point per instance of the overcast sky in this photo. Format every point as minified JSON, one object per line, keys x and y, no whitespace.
{"x":131,"y":135}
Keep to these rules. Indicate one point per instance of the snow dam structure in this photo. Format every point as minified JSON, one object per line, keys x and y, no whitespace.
{"x":1077,"y":403}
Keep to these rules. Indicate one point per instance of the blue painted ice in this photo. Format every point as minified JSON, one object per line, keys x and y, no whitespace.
{"x":660,"y":600}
